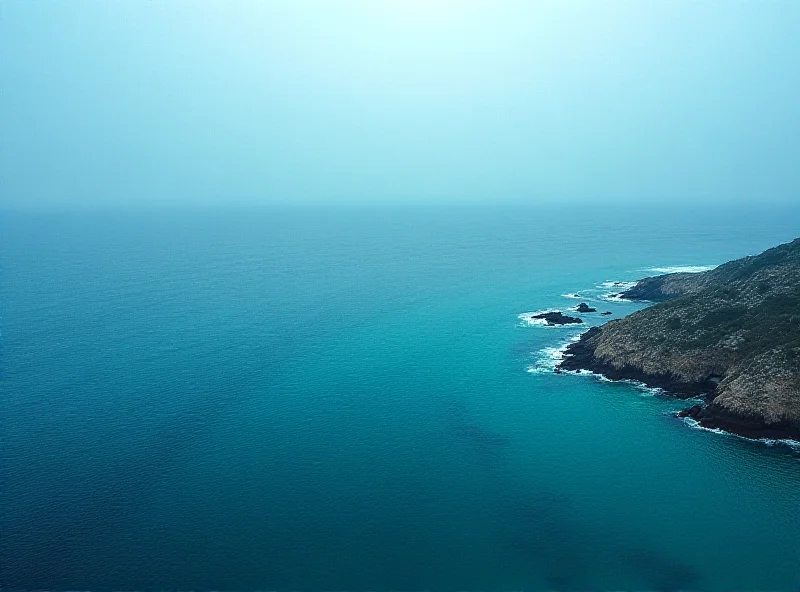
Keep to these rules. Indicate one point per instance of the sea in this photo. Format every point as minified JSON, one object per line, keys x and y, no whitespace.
{"x":357,"y":398}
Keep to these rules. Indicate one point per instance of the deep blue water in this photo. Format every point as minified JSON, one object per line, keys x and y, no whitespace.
{"x":341,"y":400}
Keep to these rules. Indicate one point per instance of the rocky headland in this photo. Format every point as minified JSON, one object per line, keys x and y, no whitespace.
{"x":730,"y":335}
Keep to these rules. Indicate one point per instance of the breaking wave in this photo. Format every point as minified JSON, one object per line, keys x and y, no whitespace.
{"x":621,"y":286}
{"x":649,"y":391}
{"x":681,"y":268}
{"x":527,"y":319}
{"x":695,"y":425}
{"x":617,"y":287}
{"x":549,"y":357}
{"x":614,"y":297}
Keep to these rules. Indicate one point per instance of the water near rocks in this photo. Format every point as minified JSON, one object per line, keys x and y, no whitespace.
{"x":351,"y":400}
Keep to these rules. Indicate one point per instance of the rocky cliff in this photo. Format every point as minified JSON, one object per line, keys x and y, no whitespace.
{"x":731,"y":335}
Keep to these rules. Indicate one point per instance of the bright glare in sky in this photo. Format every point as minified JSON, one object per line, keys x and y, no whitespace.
{"x":399,"y":100}
{"x":432,"y":12}
{"x":420,"y":9}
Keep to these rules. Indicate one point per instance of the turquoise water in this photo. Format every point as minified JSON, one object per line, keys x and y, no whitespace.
{"x":342,"y":401}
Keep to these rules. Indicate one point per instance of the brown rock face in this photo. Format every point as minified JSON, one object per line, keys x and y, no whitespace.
{"x":731,"y":334}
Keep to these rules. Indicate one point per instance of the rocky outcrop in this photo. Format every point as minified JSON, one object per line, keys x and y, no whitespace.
{"x":662,"y":287}
{"x":557,"y":318}
{"x":583,"y":355}
{"x":694,"y":411}
{"x":730,"y":335}
{"x":583,"y":307}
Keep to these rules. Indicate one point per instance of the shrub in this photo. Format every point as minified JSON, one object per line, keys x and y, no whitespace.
{"x":673,"y":323}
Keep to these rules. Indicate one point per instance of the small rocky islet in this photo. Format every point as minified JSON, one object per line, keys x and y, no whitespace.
{"x":557,"y":318}
{"x":730,"y":335}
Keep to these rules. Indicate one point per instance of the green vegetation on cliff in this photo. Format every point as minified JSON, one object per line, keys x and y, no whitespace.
{"x":732,"y":333}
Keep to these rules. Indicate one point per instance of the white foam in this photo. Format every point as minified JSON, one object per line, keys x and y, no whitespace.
{"x":787,"y":442}
{"x":694,"y":424}
{"x":549,"y":357}
{"x":532,"y":322}
{"x":621,"y":286}
{"x":647,"y":391}
{"x":541,"y":368}
{"x":681,"y":268}
{"x":528,"y":320}
{"x":642,"y":388}
{"x":614,"y":297}
{"x":617,"y":287}
{"x":573,"y":296}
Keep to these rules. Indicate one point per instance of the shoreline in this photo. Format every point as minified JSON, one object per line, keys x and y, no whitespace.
{"x":579,"y":357}
{"x":693,"y":424}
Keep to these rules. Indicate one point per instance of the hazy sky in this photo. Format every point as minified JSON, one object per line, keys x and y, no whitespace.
{"x":409,"y":100}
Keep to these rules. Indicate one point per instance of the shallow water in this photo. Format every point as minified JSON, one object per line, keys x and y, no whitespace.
{"x":350,"y":400}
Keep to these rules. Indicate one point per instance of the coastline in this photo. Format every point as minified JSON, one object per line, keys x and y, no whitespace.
{"x":579,"y":357}
{"x":727,"y":336}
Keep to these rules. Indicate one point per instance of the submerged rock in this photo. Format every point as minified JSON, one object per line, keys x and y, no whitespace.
{"x":608,"y":312}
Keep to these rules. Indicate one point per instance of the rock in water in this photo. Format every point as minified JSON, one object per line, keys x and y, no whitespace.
{"x":556,"y":318}
{"x":583,"y":307}
{"x":692,"y":411}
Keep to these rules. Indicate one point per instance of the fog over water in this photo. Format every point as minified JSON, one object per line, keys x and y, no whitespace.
{"x":398,"y":101}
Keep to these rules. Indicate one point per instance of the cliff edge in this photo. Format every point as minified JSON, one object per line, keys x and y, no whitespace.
{"x":730,"y":335}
